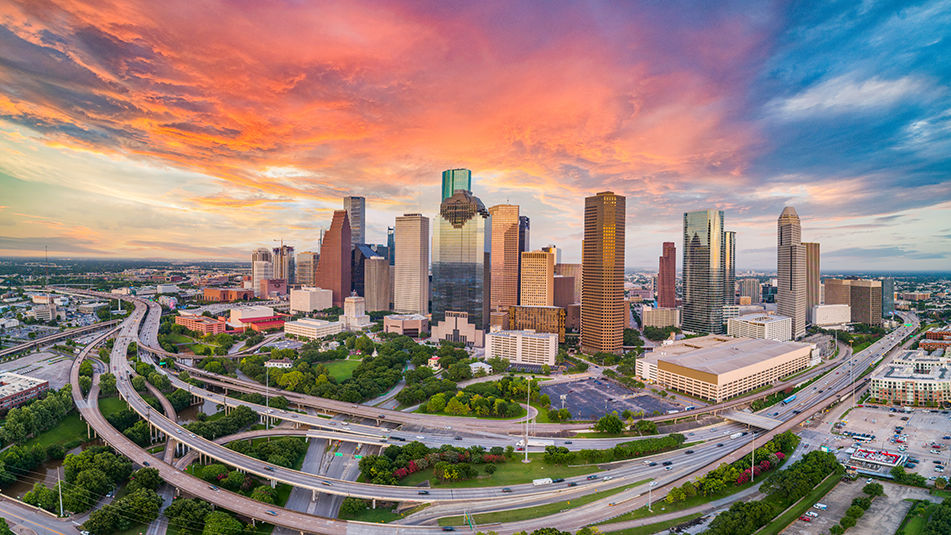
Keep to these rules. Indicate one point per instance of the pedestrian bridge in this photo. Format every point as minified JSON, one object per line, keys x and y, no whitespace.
{"x":752,"y":420}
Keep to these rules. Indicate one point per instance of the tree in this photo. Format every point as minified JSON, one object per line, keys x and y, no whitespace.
{"x":874,"y":489}
{"x":847,"y":522}
{"x":855,"y":512}
{"x":544,"y":401}
{"x":107,"y":384}
{"x":144,"y":478}
{"x":351,"y":506}
{"x":85,"y":383}
{"x":4,"y":528}
{"x":188,"y":515}
{"x":609,"y":424}
{"x":457,"y":407}
{"x":221,"y":523}
{"x":138,"y":383}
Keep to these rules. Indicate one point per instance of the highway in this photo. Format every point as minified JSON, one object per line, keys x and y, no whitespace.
{"x":50,"y":338}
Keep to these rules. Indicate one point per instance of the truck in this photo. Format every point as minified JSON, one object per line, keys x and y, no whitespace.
{"x":736,"y":435}
{"x":542,"y":481}
{"x":789,"y":400}
{"x":821,"y":506}
{"x":672,"y":411}
{"x":535,"y":442}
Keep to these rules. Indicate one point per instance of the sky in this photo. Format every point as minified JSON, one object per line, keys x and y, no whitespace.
{"x":203,"y":130}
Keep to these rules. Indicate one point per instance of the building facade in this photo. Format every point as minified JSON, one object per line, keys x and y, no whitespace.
{"x":729,"y":268}
{"x":524,"y":244}
{"x":703,"y":271}
{"x":660,"y":317}
{"x":201,"y":324}
{"x":356,"y":208}
{"x":376,"y":274}
{"x":226,"y":295}
{"x":355,"y":316}
{"x":411,"y":264}
{"x":312,"y":328}
{"x":333,"y":267}
{"x":888,"y":297}
{"x":309,"y":299}
{"x":602,"y":266}
{"x":838,"y":292}
{"x":538,"y":279}
{"x":667,"y":277}
{"x":571,"y":270}
{"x":761,"y":326}
{"x":306,"y":266}
{"x":15,"y":389}
{"x":564,"y":294}
{"x":456,"y":327}
{"x":791,"y":271}
{"x":542,"y":319}
{"x":284,"y":263}
{"x":523,"y":347}
{"x":753,"y":289}
{"x":913,"y":379}
{"x":831,"y":315}
{"x":455,"y":179}
{"x":462,"y":260}
{"x":262,"y":267}
{"x":406,"y":324}
{"x":505,"y":256}
{"x":813,"y":282}
{"x":866,"y":301}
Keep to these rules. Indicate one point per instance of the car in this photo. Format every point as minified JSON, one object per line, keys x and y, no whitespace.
{"x":612,"y":504}
{"x":669,"y":468}
{"x":179,"y":431}
{"x":272,"y":513}
{"x":813,"y":514}
{"x":720,"y":445}
{"x":572,"y":484}
{"x":608,"y":478}
{"x":668,"y":463}
{"x":212,"y":487}
{"x":191,"y":435}
{"x":691,"y":434}
{"x":592,"y":477}
{"x":688,"y":452}
{"x":146,"y":463}
{"x":936,"y":462}
{"x":448,"y":528}
{"x":420,"y":437}
{"x":805,"y":518}
{"x":557,"y":480}
{"x":423,"y":493}
{"x":269,"y":468}
{"x":569,"y":442}
{"x":506,"y":489}
{"x":519,"y":448}
{"x":869,"y":480}
{"x":651,"y":464}
{"x":326,"y":483}
{"x":904,"y":418}
{"x":457,"y":438}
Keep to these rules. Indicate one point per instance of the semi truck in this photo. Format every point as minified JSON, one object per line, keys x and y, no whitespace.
{"x":535,"y":442}
{"x":542,"y":481}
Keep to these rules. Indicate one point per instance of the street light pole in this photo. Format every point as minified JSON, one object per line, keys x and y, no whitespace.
{"x":267,"y":391}
{"x":649,"y":489}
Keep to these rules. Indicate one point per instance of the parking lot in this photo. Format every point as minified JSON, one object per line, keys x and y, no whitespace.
{"x":922,"y":427}
{"x":590,"y":399}
{"x":837,"y":501}
{"x":37,"y":365}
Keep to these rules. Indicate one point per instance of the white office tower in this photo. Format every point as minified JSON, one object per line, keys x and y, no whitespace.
{"x":262,"y":268}
{"x":356,"y":208}
{"x":791,"y":271}
{"x":411,"y":282}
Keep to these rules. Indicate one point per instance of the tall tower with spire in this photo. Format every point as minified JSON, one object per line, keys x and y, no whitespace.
{"x":791,"y":270}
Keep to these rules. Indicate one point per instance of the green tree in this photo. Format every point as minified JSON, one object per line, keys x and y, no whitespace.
{"x":847,"y":522}
{"x":544,"y":401}
{"x":351,"y":506}
{"x":874,"y":489}
{"x":457,"y":407}
{"x":144,"y":478}
{"x":107,"y":384}
{"x":609,"y":424}
{"x":4,"y":528}
{"x":85,"y":383}
{"x":138,"y":383}
{"x":221,"y":523}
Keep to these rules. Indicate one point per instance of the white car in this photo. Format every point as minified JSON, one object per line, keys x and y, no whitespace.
{"x":420,"y":437}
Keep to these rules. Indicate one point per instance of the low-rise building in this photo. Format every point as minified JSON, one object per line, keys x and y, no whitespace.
{"x":15,"y":389}
{"x":761,"y":326}
{"x":166,"y":288}
{"x":480,"y":367}
{"x":660,"y":317}
{"x":201,"y":324}
{"x":239,"y":315}
{"x":279,"y":363}
{"x":309,"y":299}
{"x":354,"y":316}
{"x":273,"y":288}
{"x":913,"y":379}
{"x":916,"y":296}
{"x":406,"y":324}
{"x":822,"y":315}
{"x":523,"y":347}
{"x":91,"y":308}
{"x":457,"y":328}
{"x":226,"y":295}
{"x":312,"y":328}
{"x":433,"y":362}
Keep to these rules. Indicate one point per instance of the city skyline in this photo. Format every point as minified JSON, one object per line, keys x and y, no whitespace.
{"x":121,"y":139}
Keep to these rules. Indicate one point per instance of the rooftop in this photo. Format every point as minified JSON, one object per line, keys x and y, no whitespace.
{"x":763,"y":318}
{"x":731,"y":355}
{"x":11,"y":383}
{"x":525,"y":334}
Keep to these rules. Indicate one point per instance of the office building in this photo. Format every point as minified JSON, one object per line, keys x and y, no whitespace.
{"x":753,"y":289}
{"x":376,"y":276}
{"x":761,"y":326}
{"x":411,"y":264}
{"x":16,"y":389}
{"x":458,"y":328}
{"x":284,"y":267}
{"x":564,"y":291}
{"x":913,"y":379}
{"x":667,"y":277}
{"x":916,"y":296}
{"x":602,"y":266}
{"x":312,"y":328}
{"x":729,"y":269}
{"x":391,"y":244}
{"x":888,"y":297}
{"x":660,"y":317}
{"x":356,"y":208}
{"x":718,"y":368}
{"x":201,"y":324}
{"x":505,"y":256}
{"x":524,"y":244}
{"x":225,"y":295}
{"x":271,"y":288}
{"x":866,"y":301}
{"x":262,"y":267}
{"x":813,"y":282}
{"x":462,"y":261}
{"x":355,"y":316}
{"x":553,"y":249}
{"x":455,"y":179}
{"x":825,"y":315}
{"x":406,"y":324}
{"x":308,"y":299}
{"x":538,"y":279}
{"x":838,"y":292}
{"x":333,"y":267}
{"x":523,"y":347}
{"x":306,"y":266}
{"x":703,"y":272}
{"x":543,"y":319}
{"x":358,"y":258}
{"x":574,"y":271}
{"x":573,"y":318}
{"x":791,"y":271}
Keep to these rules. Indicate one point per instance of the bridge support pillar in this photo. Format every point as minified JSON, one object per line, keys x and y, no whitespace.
{"x":313,"y":495}
{"x":273,"y":483}
{"x":374,"y":503}
{"x":253,"y":522}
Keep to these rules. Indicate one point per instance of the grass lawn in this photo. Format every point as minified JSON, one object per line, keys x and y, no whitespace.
{"x":779,"y":523}
{"x":657,"y":527}
{"x":511,"y":472}
{"x":526,"y":513}
{"x":471,"y":414}
{"x":377,"y":516}
{"x":179,"y":339}
{"x":341,"y":369}
{"x":941,"y":493}
{"x":112,"y":405}
{"x":68,"y":429}
{"x":914,"y":524}
{"x":135,"y":530}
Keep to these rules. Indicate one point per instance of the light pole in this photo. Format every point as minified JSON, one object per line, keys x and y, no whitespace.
{"x":649,"y":489}
{"x":267,"y":397}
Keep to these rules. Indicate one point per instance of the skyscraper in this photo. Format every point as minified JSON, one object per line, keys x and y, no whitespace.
{"x":866,"y":301}
{"x":505,"y":256}
{"x":462,"y":250}
{"x":703,"y":271}
{"x":376,"y":277}
{"x":554,"y":250}
{"x":838,"y":292}
{"x":538,"y":279}
{"x":305,"y":268}
{"x":571,"y":270}
{"x":813,"y":288}
{"x":602,"y":266}
{"x":333,"y":267}
{"x":284,"y":265}
{"x":524,"y":244}
{"x":454,"y":179}
{"x":667,"y":277}
{"x":391,"y":244}
{"x":262,"y":268}
{"x":791,"y":271}
{"x":888,"y":297}
{"x":753,"y":289}
{"x":356,"y":208}
{"x":411,"y":281}
{"x":729,"y":268}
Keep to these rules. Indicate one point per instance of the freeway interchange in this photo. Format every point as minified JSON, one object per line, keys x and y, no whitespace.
{"x":142,"y":326}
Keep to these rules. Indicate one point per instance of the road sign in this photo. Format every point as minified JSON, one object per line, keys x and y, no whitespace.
{"x":338,"y":454}
{"x":358,"y":456}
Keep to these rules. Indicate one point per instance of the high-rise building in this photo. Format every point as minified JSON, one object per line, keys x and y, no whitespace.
{"x":358,"y":258}
{"x":538,"y":279}
{"x":791,"y":271}
{"x":411,"y":267}
{"x":813,"y":283}
{"x":462,"y":252}
{"x":866,"y":301}
{"x":262,"y":267}
{"x":455,"y":179}
{"x":564,"y":291}
{"x":888,"y":297}
{"x":524,"y":239}
{"x":703,"y":271}
{"x":305,"y":268}
{"x":571,"y":270}
{"x":553,"y":249}
{"x":356,"y":208}
{"x":391,"y":244}
{"x":753,"y":289}
{"x":602,"y":265}
{"x":505,"y":256}
{"x":838,"y":292}
{"x":333,"y":267}
{"x":538,"y":319}
{"x":667,"y":277}
{"x":729,"y":268}
{"x":284,"y":266}
{"x":376,"y":276}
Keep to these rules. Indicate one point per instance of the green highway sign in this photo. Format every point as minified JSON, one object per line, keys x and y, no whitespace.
{"x":338,"y":454}
{"x":358,"y":456}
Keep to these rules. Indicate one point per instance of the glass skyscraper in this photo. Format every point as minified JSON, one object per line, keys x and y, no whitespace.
{"x":729,"y":268}
{"x":704,"y":267}
{"x":462,"y":245}
{"x":454,"y":179}
{"x":888,"y":297}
